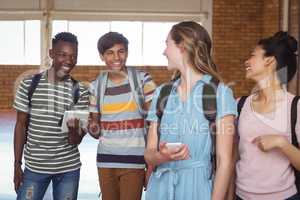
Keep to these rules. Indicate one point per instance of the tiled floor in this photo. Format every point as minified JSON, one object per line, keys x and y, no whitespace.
{"x":88,"y":186}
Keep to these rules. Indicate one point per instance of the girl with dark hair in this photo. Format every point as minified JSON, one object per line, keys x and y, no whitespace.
{"x":266,"y":156}
{"x":183,"y":159}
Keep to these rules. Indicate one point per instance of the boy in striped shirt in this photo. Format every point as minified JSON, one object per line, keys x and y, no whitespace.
{"x":50,"y":154}
{"x":117,"y":118}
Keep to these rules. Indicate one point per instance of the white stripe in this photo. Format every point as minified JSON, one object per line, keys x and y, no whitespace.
{"x":122,"y":142}
{"x":48,"y":116}
{"x":45,"y":142}
{"x":56,"y":167}
{"x":47,"y":136}
{"x":21,"y":93}
{"x":37,"y":159}
{"x":48,"y":147}
{"x":51,"y":132}
{"x":54,"y":150}
{"x":44,"y":121}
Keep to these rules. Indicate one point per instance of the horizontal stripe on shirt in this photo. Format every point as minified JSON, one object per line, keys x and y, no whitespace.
{"x":119,"y":107}
{"x":124,"y":142}
{"x":120,"y":158}
{"x":120,"y":165}
{"x":123,"y":125}
{"x":122,"y":89}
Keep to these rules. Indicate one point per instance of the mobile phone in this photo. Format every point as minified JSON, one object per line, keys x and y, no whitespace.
{"x":171,"y":145}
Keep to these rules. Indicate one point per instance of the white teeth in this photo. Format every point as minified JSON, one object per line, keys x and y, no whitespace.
{"x":248,"y":68}
{"x":66,"y":67}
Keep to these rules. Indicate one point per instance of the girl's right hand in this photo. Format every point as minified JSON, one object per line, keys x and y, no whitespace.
{"x":171,"y":154}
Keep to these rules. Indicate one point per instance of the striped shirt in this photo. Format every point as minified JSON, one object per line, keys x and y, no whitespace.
{"x":122,"y":141}
{"x":47,"y":149}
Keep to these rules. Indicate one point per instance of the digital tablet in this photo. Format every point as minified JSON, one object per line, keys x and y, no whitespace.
{"x":75,"y":114}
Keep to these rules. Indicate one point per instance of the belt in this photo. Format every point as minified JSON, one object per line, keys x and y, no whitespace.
{"x":173,"y":177}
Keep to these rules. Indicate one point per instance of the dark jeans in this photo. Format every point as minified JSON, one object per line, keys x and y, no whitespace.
{"x":65,"y":185}
{"x":294,"y":197}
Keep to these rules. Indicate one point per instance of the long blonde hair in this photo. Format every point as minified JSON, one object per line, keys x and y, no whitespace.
{"x":197,"y":43}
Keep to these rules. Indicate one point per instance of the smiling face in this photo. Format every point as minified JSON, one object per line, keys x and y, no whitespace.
{"x":115,"y":57}
{"x":173,"y":53}
{"x":257,"y":66}
{"x":64,"y":56}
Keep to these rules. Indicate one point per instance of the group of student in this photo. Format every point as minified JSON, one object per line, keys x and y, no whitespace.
{"x":186,"y":139}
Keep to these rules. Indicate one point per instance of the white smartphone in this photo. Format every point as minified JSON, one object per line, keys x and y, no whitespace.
{"x":171,"y":145}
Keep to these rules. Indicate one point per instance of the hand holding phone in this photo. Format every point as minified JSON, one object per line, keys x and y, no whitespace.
{"x":173,"y":145}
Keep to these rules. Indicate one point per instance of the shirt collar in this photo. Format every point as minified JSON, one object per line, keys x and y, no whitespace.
{"x":205,"y":79}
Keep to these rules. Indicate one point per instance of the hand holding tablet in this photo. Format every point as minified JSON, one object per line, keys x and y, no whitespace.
{"x":81,"y":115}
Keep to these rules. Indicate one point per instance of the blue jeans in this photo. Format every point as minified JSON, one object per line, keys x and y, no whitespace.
{"x":34,"y":186}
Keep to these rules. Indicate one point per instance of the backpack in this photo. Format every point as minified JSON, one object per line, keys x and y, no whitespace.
{"x":293,"y":130}
{"x":209,"y":103}
{"x":35,"y":81}
{"x":135,"y":83}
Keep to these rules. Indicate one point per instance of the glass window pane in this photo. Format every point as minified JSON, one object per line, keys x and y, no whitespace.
{"x":32,"y":42}
{"x":59,"y":26}
{"x":88,"y":34}
{"x":132,"y":30}
{"x":12,"y":42}
{"x":155,"y":34}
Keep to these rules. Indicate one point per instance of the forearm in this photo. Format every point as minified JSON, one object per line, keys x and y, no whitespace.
{"x":231,"y":189}
{"x":291,"y":152}
{"x":19,"y":141}
{"x":222,"y":179}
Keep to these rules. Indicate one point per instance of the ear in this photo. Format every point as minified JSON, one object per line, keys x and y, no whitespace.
{"x":181,"y":47}
{"x":51,"y":53}
{"x":101,"y":57}
{"x":270,"y":61}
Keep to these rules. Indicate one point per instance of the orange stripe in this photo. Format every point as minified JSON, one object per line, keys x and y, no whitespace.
{"x":113,"y":108}
{"x":123,"y":125}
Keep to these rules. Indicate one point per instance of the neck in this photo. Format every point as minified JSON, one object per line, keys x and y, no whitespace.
{"x":53,"y":77}
{"x":189,"y":78}
{"x":117,"y":76}
{"x":267,"y":89}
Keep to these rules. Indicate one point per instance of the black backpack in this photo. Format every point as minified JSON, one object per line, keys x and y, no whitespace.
{"x":35,"y":81}
{"x":209,"y":103}
{"x":293,"y":130}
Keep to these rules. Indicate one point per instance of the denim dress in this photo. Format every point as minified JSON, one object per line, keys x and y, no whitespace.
{"x":185,"y":122}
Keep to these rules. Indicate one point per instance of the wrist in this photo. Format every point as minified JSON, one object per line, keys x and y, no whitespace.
{"x":17,"y":163}
{"x":162,"y":158}
{"x":282,"y":142}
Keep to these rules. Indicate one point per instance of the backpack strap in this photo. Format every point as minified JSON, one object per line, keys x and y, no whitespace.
{"x":34,"y":82}
{"x":294,"y":120}
{"x":161,"y":105}
{"x":136,"y":88}
{"x":294,"y":137}
{"x":241,"y":103}
{"x":209,"y":104}
{"x":75,"y":91}
{"x":101,"y":87}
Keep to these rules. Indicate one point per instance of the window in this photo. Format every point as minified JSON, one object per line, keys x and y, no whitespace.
{"x":146,"y":39}
{"x":20,"y":42}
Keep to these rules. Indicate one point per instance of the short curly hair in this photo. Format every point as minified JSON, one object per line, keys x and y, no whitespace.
{"x":109,"y":39}
{"x":66,"y":37}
